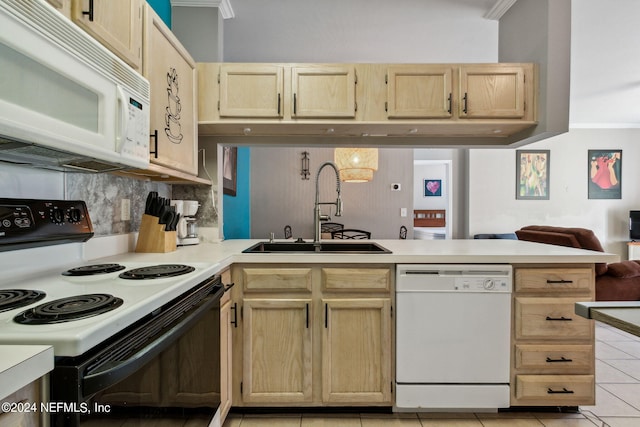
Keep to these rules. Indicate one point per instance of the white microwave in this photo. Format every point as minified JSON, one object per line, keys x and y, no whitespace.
{"x":66,"y":102}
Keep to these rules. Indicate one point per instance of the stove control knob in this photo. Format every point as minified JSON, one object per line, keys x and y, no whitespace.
{"x":75,"y":215}
{"x":489,"y":284}
{"x":57,"y":216}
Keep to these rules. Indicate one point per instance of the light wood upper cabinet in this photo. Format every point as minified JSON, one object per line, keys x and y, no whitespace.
{"x":117,"y":24}
{"x":419,"y":91}
{"x":492,"y":91}
{"x":323,"y":91}
{"x":490,"y":102}
{"x":171,"y":72}
{"x":251,"y":90}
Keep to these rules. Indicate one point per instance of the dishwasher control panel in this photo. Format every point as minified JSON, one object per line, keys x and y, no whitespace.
{"x":482,"y":284}
{"x":454,"y":278}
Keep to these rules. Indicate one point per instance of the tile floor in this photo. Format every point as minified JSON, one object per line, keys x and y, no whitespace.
{"x":617,"y":397}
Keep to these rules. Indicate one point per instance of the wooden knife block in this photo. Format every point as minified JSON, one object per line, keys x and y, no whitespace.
{"x":153,"y":238}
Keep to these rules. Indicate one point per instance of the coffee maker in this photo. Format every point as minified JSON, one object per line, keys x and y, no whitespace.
{"x":187,"y":229}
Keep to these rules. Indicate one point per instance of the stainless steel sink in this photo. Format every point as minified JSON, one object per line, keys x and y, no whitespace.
{"x":325,"y":247}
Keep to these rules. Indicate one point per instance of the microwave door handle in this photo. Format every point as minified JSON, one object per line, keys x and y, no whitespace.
{"x":124,"y":119}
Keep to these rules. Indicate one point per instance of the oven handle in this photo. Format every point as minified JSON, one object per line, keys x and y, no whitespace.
{"x":99,"y":381}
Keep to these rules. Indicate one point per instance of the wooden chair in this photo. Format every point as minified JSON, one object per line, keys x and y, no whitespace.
{"x":287,"y":232}
{"x":350,"y":233}
{"x":403,"y":232}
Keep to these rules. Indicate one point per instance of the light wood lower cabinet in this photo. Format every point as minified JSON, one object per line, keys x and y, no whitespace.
{"x":553,"y":360}
{"x":356,"y":356}
{"x":277,"y":351}
{"x":27,"y":395}
{"x":311,"y":336}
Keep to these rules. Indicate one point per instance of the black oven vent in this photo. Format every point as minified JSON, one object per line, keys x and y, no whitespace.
{"x":145,"y":332}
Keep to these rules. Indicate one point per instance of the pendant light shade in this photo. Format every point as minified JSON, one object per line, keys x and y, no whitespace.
{"x":356,"y":164}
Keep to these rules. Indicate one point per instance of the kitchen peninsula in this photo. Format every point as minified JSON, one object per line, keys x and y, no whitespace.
{"x":280,"y":302}
{"x":276,"y":290}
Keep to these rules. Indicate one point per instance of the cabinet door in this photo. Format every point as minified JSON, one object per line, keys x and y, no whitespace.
{"x":323,"y":91}
{"x":419,"y":92}
{"x":356,"y":350}
{"x":277,"y":362}
{"x":492,"y":91}
{"x":172,"y":75}
{"x":225,"y":359}
{"x":117,"y":24}
{"x":248,"y":90}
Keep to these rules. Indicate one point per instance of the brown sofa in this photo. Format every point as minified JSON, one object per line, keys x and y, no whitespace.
{"x":618,"y":281}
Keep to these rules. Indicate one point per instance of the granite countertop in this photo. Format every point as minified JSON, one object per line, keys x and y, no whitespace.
{"x":21,"y":365}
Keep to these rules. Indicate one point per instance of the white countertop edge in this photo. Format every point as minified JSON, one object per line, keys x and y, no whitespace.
{"x":21,"y":365}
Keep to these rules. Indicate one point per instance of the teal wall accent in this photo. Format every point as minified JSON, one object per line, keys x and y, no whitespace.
{"x":237,"y":210}
{"x":163,"y":9}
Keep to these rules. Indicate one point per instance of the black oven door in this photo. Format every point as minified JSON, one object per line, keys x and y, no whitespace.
{"x":165,"y":366}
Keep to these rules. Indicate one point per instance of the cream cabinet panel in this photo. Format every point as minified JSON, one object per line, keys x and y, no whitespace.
{"x":277,"y":362}
{"x":117,"y":24}
{"x":419,"y":92}
{"x":356,"y":350}
{"x":323,"y":91}
{"x":251,"y":90}
{"x":492,"y":91}
{"x":172,"y":76}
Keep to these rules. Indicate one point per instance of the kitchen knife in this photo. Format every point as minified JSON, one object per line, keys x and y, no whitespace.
{"x":166,"y":219}
{"x":174,"y":223}
{"x":150,"y":202}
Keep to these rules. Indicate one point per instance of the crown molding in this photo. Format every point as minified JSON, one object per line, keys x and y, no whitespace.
{"x":224,"y":6}
{"x":499,"y":8}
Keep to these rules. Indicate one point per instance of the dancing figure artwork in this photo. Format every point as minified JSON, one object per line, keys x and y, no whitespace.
{"x":605,"y":172}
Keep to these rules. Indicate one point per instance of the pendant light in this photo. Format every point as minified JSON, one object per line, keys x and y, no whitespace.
{"x":356,"y":164}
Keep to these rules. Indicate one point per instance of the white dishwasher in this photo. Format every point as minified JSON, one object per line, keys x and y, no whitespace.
{"x":453,"y":328}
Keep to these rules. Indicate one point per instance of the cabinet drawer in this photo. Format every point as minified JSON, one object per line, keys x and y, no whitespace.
{"x":551,"y":319}
{"x":555,"y":359}
{"x":277,"y":279}
{"x":554,"y":280}
{"x":561,"y":390}
{"x":356,"y":279}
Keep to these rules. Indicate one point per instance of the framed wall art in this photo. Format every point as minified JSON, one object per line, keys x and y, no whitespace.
{"x":229,"y":170}
{"x":605,"y":174}
{"x":532,"y":174}
{"x":432,"y":188}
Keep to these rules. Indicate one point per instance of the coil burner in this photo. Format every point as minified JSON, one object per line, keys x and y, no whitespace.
{"x":69,"y":309}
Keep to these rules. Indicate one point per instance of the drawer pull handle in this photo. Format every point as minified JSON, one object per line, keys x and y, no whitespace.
{"x":563,"y":391}
{"x":560,"y":319}
{"x":562,"y":359}
{"x":554,"y":282}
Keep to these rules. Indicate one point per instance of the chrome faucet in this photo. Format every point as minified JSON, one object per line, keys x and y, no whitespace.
{"x":318,"y":216}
